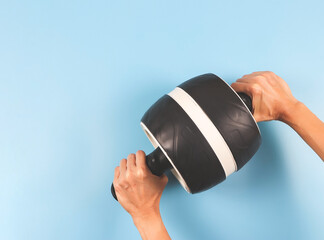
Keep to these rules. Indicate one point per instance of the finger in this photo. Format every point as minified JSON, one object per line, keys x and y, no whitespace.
{"x":131,"y":161}
{"x":140,"y":159}
{"x":251,"y":76}
{"x":241,"y":87}
{"x":116,"y":174}
{"x":244,"y":80}
{"x":251,"y":79}
{"x":123,"y":166}
{"x":245,"y":76}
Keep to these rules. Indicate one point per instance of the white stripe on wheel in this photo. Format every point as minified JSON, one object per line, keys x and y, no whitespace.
{"x":207,"y":128}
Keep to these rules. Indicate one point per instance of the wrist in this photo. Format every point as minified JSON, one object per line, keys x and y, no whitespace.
{"x":143,"y":218}
{"x":290,"y":114}
{"x":150,"y":226}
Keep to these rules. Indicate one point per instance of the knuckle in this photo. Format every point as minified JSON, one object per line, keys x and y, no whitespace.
{"x":141,"y":174}
{"x":255,"y":89}
{"x":131,"y":155}
{"x":259,"y":78}
{"x":272,"y":81}
{"x":128,"y":175}
{"x":122,"y":183}
{"x":117,"y":186}
{"x":267,"y":74}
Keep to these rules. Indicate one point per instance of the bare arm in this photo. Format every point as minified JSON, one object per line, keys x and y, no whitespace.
{"x":151,"y":227}
{"x":308,"y":126}
{"x":273,"y":100}
{"x":139,"y":192}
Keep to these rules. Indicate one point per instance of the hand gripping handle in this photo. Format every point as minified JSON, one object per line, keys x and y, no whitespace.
{"x":156,"y":162}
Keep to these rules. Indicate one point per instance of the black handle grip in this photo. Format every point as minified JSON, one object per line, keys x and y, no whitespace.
{"x":247,"y":100}
{"x":156,"y":162}
{"x":113,"y":193}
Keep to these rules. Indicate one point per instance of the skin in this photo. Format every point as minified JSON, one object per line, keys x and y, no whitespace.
{"x":273,"y":100}
{"x":139,"y":191}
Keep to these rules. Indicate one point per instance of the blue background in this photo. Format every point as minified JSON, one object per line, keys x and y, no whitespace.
{"x":76,"y":78}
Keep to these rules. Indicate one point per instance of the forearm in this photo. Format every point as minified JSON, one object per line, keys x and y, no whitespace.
{"x":307,"y":125}
{"x":151,"y":227}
